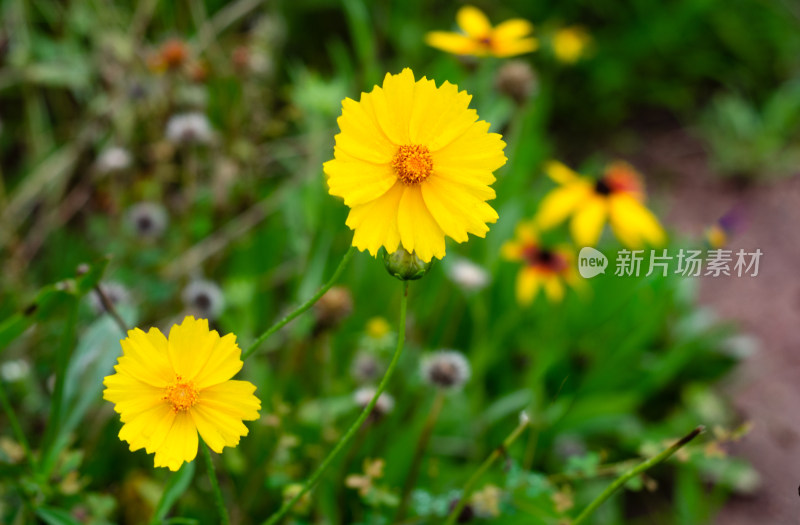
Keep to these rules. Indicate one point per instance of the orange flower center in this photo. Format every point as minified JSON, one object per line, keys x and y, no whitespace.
{"x":181,"y":395}
{"x":413,"y":163}
{"x":544,"y":259}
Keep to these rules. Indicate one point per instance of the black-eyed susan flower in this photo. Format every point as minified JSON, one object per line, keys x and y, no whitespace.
{"x":414,"y":165}
{"x":168,"y":390}
{"x":618,"y":198}
{"x":570,"y":44}
{"x":542,"y":267}
{"x":479,"y":38}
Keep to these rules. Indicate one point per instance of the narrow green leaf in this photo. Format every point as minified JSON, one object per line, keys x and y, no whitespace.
{"x":176,"y":486}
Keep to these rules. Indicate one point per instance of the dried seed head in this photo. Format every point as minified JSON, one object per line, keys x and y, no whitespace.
{"x":333,"y":307}
{"x":204,"y":299}
{"x":383,"y":406}
{"x":147,"y":220}
{"x":446,"y":369}
{"x":366,"y":368}
{"x":468,"y":275}
{"x":189,"y":128}
{"x":517,"y":80}
{"x":112,"y":160}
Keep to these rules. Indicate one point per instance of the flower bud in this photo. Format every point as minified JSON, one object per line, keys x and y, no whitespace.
{"x":405,"y":266}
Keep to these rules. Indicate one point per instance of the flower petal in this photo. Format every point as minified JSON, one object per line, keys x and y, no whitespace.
{"x":560,"y":203}
{"x":375,"y":223}
{"x":473,"y":22}
{"x":145,"y":357}
{"x":588,"y":222}
{"x":419,"y":231}
{"x":528,"y":283}
{"x":455,"y":43}
{"x":224,"y":362}
{"x":190,"y":346}
{"x":512,"y":29}
{"x":440,"y":116}
{"x":234,"y":398}
{"x":456,"y":211}
{"x":504,"y":49}
{"x":180,"y":444}
{"x":358,"y":182}
{"x":632,"y":223}
{"x":392,"y":104}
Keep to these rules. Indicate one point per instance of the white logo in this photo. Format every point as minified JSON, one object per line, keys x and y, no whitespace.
{"x":591,"y":262}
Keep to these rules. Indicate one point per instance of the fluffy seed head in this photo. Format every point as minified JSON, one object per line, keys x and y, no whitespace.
{"x":112,"y":160}
{"x":204,"y":299}
{"x":383,"y":406}
{"x":468,"y":275}
{"x":446,"y":369}
{"x":333,"y":307}
{"x":147,"y":220}
{"x":517,"y":80}
{"x":189,"y":128}
{"x":366,"y":368}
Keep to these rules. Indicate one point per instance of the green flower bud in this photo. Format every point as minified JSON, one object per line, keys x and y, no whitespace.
{"x":405,"y":266}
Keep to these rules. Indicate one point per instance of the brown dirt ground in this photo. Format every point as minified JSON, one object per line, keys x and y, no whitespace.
{"x":765,"y":389}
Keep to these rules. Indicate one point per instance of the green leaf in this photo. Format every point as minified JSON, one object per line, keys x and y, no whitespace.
{"x":176,"y":486}
{"x":54,"y":516}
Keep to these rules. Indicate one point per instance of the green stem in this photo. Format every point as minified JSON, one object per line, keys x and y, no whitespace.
{"x":641,"y":467}
{"x":16,"y":428}
{"x":212,"y":477}
{"x":303,"y":307}
{"x":488,"y":462}
{"x":309,"y":484}
{"x":422,"y":443}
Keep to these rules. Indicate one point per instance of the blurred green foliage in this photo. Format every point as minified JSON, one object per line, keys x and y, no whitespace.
{"x":607,"y":376}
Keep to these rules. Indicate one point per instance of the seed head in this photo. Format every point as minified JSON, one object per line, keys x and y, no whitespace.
{"x":383,"y":406}
{"x":189,"y":128}
{"x":203,"y":298}
{"x":446,"y":369}
{"x":115,"y":292}
{"x":468,"y":275}
{"x":147,"y":220}
{"x":112,"y":160}
{"x":517,"y":80}
{"x":366,"y":368}
{"x":333,"y":307}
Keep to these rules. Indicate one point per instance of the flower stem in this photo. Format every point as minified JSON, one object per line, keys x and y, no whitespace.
{"x":212,"y":477}
{"x":422,"y":443}
{"x":344,"y":440}
{"x":635,"y":471}
{"x":488,"y":462}
{"x":303,"y":307}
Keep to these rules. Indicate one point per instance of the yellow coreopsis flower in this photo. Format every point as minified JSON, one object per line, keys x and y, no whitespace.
{"x":570,"y":43}
{"x":168,"y":390}
{"x":510,"y":38}
{"x":414,"y":165}
{"x":617,"y":198}
{"x":543,"y":267}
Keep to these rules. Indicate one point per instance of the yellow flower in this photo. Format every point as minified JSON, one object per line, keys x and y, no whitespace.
{"x":168,"y":390}
{"x":510,"y":38}
{"x":617,"y":197}
{"x":570,"y":43}
{"x":543,"y":267}
{"x":378,"y":327}
{"x":414,"y":166}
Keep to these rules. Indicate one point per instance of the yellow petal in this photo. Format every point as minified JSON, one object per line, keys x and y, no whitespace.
{"x":526,"y":232}
{"x":455,"y":43}
{"x":358,"y":120}
{"x":528,"y":282}
{"x":234,"y":398}
{"x":512,"y":29}
{"x":180,"y":444}
{"x":218,"y":429}
{"x":553,"y":288}
{"x":511,"y":251}
{"x":633,"y":224}
{"x":475,"y":148}
{"x":358,"y":182}
{"x":503,"y":49}
{"x":456,"y":211}
{"x":441,"y":116}
{"x":224,"y":362}
{"x":473,"y":22}
{"x":392,"y":105}
{"x":190,"y":346}
{"x":145,"y":357}
{"x":375,"y":223}
{"x":561,"y":202}
{"x":588,"y":222}
{"x":138,"y":429}
{"x":560,"y":173}
{"x":419,"y":232}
